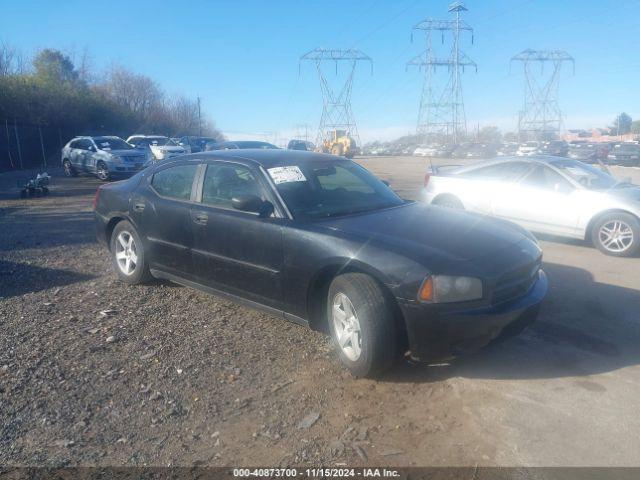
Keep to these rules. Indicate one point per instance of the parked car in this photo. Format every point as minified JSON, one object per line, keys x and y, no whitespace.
{"x":584,"y":152}
{"x":243,"y":144}
{"x":474,"y":151}
{"x":105,"y":157}
{"x":528,"y":148}
{"x":161,"y":148}
{"x":303,"y":145}
{"x":507,"y":149}
{"x":193,"y":144}
{"x":627,"y":154}
{"x":425,"y":151}
{"x":557,"y":148}
{"x":320,"y":241}
{"x":551,"y":195}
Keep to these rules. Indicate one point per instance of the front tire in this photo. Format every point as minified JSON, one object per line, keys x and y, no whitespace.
{"x":128,"y":254}
{"x":102,"y":171}
{"x":617,"y":235}
{"x":361,"y":322}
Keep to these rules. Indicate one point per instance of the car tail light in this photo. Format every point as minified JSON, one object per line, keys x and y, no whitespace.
{"x":427,"y":177}
{"x":96,"y":197}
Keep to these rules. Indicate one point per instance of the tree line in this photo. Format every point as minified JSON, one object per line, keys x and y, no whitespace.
{"x":50,"y":90}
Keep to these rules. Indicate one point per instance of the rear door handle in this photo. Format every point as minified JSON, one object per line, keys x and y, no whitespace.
{"x":201,"y":218}
{"x":138,"y":207}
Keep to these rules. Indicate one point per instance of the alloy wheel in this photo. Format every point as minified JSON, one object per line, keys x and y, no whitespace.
{"x":616,"y":236}
{"x":346,"y":326}
{"x":126,"y":253}
{"x":103,"y":173}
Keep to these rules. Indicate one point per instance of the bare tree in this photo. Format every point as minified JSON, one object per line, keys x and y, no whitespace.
{"x":138,"y":93}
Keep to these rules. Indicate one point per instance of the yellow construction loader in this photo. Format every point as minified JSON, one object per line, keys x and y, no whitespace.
{"x":339,"y":143}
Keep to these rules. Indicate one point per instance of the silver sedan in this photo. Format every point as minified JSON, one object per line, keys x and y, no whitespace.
{"x":552,"y":195}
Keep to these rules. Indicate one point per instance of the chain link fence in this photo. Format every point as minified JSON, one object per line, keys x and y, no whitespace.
{"x":27,"y":146}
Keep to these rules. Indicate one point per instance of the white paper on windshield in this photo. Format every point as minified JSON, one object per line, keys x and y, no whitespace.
{"x":286,"y":174}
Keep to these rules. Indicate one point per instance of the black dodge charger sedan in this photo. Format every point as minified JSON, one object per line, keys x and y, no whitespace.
{"x":320,"y":241}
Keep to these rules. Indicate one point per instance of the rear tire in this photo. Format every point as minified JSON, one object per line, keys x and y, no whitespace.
{"x":448,"y":201}
{"x":69,"y":171}
{"x":617,"y":234}
{"x":361,"y":323}
{"x":128,"y":254}
{"x":102,"y":172}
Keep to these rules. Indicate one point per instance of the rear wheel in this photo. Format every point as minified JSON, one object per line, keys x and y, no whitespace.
{"x":361,"y":322}
{"x":617,"y":234}
{"x":128,"y":254}
{"x":102,"y":171}
{"x":448,"y":201}
{"x":69,"y":171}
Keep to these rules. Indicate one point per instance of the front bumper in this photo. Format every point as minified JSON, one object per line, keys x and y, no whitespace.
{"x":439,"y":332}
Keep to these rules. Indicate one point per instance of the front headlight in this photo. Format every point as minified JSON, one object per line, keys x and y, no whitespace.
{"x":116,"y":159}
{"x":447,"y":289}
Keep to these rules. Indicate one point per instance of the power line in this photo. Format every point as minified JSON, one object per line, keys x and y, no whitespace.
{"x":336,"y":102}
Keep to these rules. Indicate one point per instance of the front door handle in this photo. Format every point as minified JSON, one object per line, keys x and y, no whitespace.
{"x":138,"y":207}
{"x":201,"y":218}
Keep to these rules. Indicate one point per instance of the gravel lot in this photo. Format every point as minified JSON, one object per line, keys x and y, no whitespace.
{"x":96,"y":373}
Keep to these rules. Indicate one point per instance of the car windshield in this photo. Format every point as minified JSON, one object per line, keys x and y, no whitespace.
{"x":329,"y":189}
{"x":155,"y":141}
{"x":586,"y":175}
{"x":104,"y":143}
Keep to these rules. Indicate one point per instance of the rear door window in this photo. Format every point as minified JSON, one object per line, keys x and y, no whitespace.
{"x":545,"y":178}
{"x":506,"y":172}
{"x":175,"y":182}
{"x":224,"y":181}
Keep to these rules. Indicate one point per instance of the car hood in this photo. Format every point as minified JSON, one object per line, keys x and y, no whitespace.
{"x":626,"y":193}
{"x":126,"y":153}
{"x":422,"y":232}
{"x":167,"y":148}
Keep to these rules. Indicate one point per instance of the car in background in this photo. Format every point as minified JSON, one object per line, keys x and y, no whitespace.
{"x":242,"y":144}
{"x":303,"y":145}
{"x":627,"y":154}
{"x":426,"y":151}
{"x":318,"y":240}
{"x":160,"y":147}
{"x":194,"y":144}
{"x":103,"y":156}
{"x":551,"y":195}
{"x":507,"y":149}
{"x":474,"y":151}
{"x":557,"y":148}
{"x":528,"y":148}
{"x":585,"y":152}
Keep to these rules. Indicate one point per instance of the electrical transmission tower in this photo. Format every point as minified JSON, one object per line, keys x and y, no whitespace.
{"x":442,"y":110}
{"x":541,"y":117}
{"x":336,"y":102}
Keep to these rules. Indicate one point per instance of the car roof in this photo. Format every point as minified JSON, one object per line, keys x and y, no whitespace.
{"x":269,"y":158}
{"x":538,"y":159}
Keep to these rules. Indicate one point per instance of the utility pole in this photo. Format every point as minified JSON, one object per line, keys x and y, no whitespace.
{"x":336,"y":102}
{"x":442,"y":112}
{"x":199,"y":119}
{"x":541,"y":117}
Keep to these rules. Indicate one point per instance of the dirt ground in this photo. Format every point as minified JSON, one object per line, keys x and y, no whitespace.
{"x":93,"y":372}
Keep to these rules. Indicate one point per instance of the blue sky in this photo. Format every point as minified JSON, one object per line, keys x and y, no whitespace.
{"x":241,"y":56}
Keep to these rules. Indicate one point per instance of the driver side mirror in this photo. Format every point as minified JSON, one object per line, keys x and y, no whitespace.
{"x":253,"y":204}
